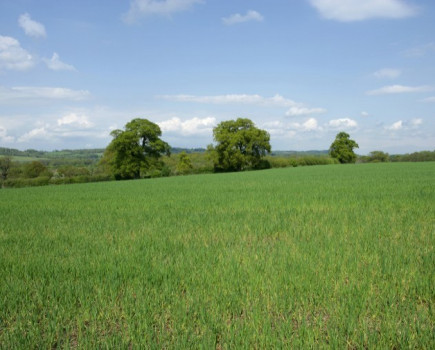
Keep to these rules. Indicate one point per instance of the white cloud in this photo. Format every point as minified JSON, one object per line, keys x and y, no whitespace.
{"x":54,"y":63}
{"x":395,"y":126}
{"x":238,"y":18}
{"x":358,"y":10}
{"x":31,"y":27}
{"x":142,"y":8}
{"x":276,"y":100}
{"x":38,"y":133}
{"x":398,"y":89}
{"x":188,"y":127}
{"x":298,"y":111}
{"x":416,"y":122}
{"x":388,"y":73}
{"x":279,"y":128}
{"x":343,"y":123}
{"x":21,"y":93}
{"x":72,"y":119}
{"x":364,"y":114}
{"x":4,"y":137}
{"x":13,"y":56}
{"x":309,"y":125}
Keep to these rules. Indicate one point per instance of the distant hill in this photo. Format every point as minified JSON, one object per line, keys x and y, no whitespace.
{"x":300,"y":153}
{"x":96,"y":153}
{"x":176,"y":150}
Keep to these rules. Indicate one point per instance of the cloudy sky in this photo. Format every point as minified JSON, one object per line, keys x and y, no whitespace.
{"x":73,"y":70}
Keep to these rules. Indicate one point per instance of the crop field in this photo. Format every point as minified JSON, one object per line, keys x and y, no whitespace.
{"x":310,"y":257}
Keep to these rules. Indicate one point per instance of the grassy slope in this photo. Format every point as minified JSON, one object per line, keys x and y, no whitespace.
{"x":337,"y":256}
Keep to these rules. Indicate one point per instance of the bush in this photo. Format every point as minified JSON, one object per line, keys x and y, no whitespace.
{"x":262,"y":164}
{"x":18,"y":183}
{"x":36,"y":169}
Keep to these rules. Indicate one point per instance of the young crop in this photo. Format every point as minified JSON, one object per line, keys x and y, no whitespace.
{"x":306,"y":257}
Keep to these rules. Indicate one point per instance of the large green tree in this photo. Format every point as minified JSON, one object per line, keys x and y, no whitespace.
{"x":342,"y":148}
{"x":240,"y":145}
{"x":135,"y":150}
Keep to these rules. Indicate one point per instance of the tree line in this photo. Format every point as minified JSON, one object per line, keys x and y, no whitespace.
{"x":137,"y":151}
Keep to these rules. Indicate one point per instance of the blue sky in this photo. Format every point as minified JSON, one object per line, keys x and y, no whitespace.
{"x":72,"y":71}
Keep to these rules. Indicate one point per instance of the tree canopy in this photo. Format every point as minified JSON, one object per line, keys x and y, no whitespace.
{"x":135,"y":149}
{"x":240,"y":145}
{"x":342,"y":148}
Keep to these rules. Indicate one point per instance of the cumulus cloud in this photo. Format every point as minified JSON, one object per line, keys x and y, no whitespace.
{"x":54,"y":63}
{"x":364,"y":114}
{"x":259,"y":100}
{"x":188,"y":127}
{"x":72,"y":119}
{"x":388,"y":73}
{"x":343,"y":123}
{"x":357,"y":10}
{"x":309,"y":125}
{"x":298,"y":111}
{"x":23,"y":93}
{"x":142,"y":8}
{"x":13,"y":56}
{"x":395,"y":126}
{"x":31,"y":27}
{"x":38,"y":133}
{"x":279,"y":128}
{"x":238,"y":18}
{"x":398,"y":89}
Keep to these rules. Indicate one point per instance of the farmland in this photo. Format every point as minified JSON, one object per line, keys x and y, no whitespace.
{"x":322,"y":256}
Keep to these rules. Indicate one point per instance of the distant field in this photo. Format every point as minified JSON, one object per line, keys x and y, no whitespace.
{"x":28,"y":159}
{"x":323,"y":256}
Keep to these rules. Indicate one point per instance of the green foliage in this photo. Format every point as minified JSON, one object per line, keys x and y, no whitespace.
{"x":375,"y":157}
{"x":200,"y":161}
{"x":35,"y":169}
{"x":240,"y":145}
{"x":27,"y":182}
{"x":184,"y":165}
{"x":423,"y":156}
{"x":70,"y":170}
{"x":284,"y":162}
{"x":298,"y":258}
{"x":342,"y":148}
{"x":5,"y":167}
{"x":135,"y":150}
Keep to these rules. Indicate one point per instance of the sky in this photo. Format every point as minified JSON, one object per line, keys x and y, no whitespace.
{"x":71,"y":71}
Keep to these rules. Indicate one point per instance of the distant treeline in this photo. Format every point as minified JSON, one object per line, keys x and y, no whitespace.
{"x":424,"y":156}
{"x":36,"y":168}
{"x":95,"y":153}
{"x":300,"y":153}
{"x":379,"y":156}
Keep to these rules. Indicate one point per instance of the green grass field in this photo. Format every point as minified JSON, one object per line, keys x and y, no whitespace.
{"x":324,"y":256}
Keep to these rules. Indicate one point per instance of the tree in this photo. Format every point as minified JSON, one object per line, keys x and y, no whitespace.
{"x":184,"y":164}
{"x":35,"y":169}
{"x":135,"y":150}
{"x":378,"y":157}
{"x":342,"y":148}
{"x":240,"y":145}
{"x":5,"y":167}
